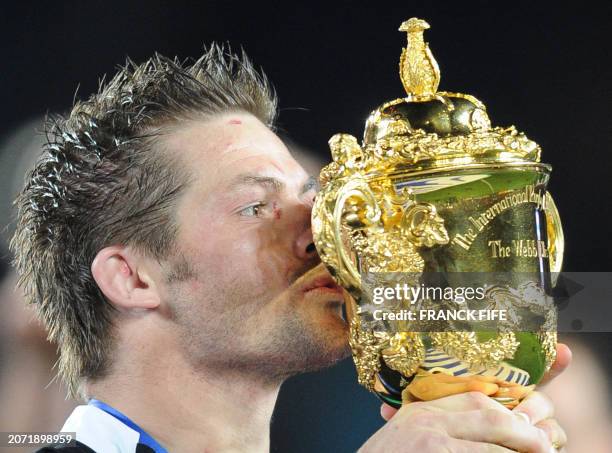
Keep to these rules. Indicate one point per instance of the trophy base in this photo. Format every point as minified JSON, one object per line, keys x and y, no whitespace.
{"x":393,"y":389}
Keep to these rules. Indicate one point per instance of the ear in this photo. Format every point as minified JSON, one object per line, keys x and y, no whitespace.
{"x":122,"y":277}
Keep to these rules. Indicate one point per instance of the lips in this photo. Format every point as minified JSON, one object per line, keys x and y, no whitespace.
{"x":320,"y":286}
{"x":322,"y":282}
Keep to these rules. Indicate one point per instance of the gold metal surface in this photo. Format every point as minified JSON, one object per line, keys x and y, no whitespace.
{"x":434,"y":187}
{"x":418,"y":68}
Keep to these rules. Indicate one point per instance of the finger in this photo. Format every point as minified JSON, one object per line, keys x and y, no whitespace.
{"x":564,"y":358}
{"x":461,"y":402}
{"x":553,"y":430}
{"x":537,"y":407}
{"x":499,"y":427}
{"x":387,"y":411}
{"x":517,"y":392}
{"x":466,"y":446}
{"x":430,"y":389}
{"x":450,"y":379}
{"x":503,"y":383}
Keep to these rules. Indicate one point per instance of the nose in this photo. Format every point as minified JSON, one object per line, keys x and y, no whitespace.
{"x":305,"y":248}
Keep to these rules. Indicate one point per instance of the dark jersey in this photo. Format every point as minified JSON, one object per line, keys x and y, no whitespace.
{"x":82,"y":448}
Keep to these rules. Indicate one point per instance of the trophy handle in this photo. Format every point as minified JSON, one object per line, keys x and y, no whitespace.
{"x":556,"y":241}
{"x":364,"y":212}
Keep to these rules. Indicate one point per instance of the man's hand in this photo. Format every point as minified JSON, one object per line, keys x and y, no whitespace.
{"x":465,"y":423}
{"x":472,"y":422}
{"x":564,"y":357}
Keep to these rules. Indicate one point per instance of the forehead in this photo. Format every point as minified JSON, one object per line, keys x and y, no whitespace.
{"x":217,"y":149}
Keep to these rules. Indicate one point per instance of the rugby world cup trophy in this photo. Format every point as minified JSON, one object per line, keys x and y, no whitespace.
{"x":435,"y":190}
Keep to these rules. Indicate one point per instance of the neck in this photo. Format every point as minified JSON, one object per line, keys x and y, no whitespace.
{"x":187,"y":410}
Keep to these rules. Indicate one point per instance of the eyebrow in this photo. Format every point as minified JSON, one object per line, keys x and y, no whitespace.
{"x":268,"y":182}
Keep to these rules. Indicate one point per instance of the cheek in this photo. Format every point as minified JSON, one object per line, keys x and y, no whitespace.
{"x":261,"y":259}
{"x":234,"y":259}
{"x":255,"y":257}
{"x":274,"y":258}
{"x":260,"y":264}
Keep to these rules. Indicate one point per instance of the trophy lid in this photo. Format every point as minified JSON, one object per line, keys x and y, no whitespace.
{"x":429,"y":129}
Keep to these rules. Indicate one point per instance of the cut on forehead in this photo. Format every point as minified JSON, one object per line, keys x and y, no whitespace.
{"x":215,"y":149}
{"x":216,"y":133}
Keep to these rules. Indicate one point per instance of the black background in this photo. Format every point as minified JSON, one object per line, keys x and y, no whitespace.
{"x":543,"y":66}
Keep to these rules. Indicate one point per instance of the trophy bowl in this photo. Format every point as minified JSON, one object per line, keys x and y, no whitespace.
{"x":435,"y":197}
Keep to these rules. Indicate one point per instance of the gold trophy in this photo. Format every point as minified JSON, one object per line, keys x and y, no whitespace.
{"x":435,"y":188}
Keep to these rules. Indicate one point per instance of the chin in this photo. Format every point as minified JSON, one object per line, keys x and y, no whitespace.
{"x":333,"y":338}
{"x":310,"y":338}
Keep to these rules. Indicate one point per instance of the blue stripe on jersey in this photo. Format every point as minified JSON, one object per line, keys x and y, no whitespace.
{"x":145,"y":438}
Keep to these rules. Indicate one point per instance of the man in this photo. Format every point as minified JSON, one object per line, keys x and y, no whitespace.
{"x":165,"y":239}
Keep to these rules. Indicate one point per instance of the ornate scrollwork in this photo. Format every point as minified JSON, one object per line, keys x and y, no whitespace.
{"x":423,"y":226}
{"x":478,"y":355}
{"x":362,"y":225}
{"x":405,"y":352}
{"x":366,"y":346}
{"x":548,"y":341}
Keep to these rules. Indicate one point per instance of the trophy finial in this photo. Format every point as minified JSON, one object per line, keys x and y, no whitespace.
{"x":419,"y":70}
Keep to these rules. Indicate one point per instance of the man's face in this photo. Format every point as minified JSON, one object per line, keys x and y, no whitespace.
{"x":245,"y":286}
